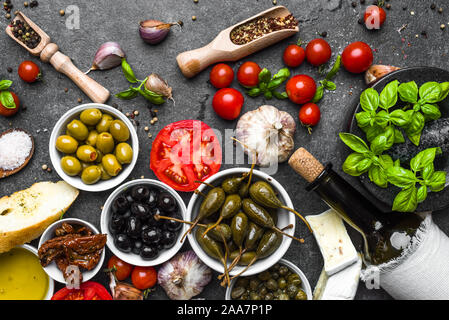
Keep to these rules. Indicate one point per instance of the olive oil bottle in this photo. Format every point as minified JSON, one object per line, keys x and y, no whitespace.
{"x":386,"y":235}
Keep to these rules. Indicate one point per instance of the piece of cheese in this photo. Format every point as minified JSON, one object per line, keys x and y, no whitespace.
{"x":334,"y":242}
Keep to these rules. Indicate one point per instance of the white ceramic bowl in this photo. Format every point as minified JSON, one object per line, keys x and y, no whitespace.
{"x":284,"y":219}
{"x":56,"y":156}
{"x":132,"y":258}
{"x":52,"y":269}
{"x":305,"y":285}
{"x":51,"y":283}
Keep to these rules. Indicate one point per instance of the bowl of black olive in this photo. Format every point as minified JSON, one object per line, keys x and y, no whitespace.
{"x":137,"y":217}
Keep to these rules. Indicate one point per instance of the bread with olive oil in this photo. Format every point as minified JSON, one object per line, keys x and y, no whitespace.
{"x":26,"y":214}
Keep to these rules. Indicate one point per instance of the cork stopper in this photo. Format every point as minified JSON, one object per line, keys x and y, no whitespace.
{"x":305,"y":164}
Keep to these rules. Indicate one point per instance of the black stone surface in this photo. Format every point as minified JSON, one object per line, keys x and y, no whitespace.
{"x":102,"y":21}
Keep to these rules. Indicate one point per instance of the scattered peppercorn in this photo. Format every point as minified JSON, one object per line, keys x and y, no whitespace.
{"x":49,"y":169}
{"x":44,"y":167}
{"x":9,"y":69}
{"x":136,"y":113}
{"x":193,"y":18}
{"x":25,"y":4}
{"x":66,"y":89}
{"x":388,"y":6}
{"x":433,"y":6}
{"x":442,"y":26}
{"x":324,"y":34}
{"x":34,"y":3}
{"x":440,"y":10}
{"x":8,"y":16}
{"x":424,"y":34}
{"x":275,"y":2}
{"x":360,"y":21}
{"x":404,"y":8}
{"x":362,"y":1}
{"x":61,"y":12}
{"x":195,"y":1}
{"x":354,"y":4}
{"x":146,"y":129}
{"x":80,"y":100}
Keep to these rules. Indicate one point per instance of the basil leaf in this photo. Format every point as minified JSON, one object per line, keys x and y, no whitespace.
{"x":5,"y":84}
{"x":263,"y":86}
{"x":386,"y":161}
{"x":152,"y":96}
{"x":273,"y":84}
{"x":444,"y":91}
{"x":333,"y":72}
{"x":383,"y":141}
{"x":424,"y":158}
{"x":354,"y":142}
{"x":397,"y":163}
{"x":428,"y":171}
{"x":284,"y":73}
{"x":318,"y":94}
{"x":389,"y":95}
{"x":416,"y":125}
{"x":400,"y":118}
{"x":364,"y":165}
{"x":382,"y":118}
{"x":377,"y":176}
{"x":128,"y":72}
{"x":430,"y":92}
{"x":415,"y":138}
{"x":422,"y":194}
{"x":400,"y":177}
{"x":127,"y":94}
{"x":280,"y":95}
{"x":254,"y":92}
{"x":406,"y":200}
{"x":351,"y":164}
{"x":369,"y":100}
{"x":373,"y":132}
{"x":408,"y":92}
{"x":329,"y":85}
{"x":437,"y":181}
{"x":268,"y":95}
{"x":264,"y":76}
{"x":431,"y":111}
{"x":363,"y":118}
{"x":398,"y":136}
{"x":7,"y":100}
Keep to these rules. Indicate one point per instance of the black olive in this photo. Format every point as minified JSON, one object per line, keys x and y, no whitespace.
{"x":116,"y":224}
{"x":173,"y":226}
{"x":160,"y":247}
{"x":120,"y":205}
{"x":152,"y":198}
{"x":141,"y":211}
{"x":168,"y":239}
{"x":140,"y":193}
{"x":138,"y":245}
{"x":129,"y":198}
{"x":149,"y":253}
{"x":127,"y":214}
{"x":167,"y":202}
{"x":122,"y":242}
{"x":133,"y":227}
{"x":151,"y":236}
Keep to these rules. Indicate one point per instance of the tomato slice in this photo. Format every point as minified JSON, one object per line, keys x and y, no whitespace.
{"x":184,"y":152}
{"x":88,"y":291}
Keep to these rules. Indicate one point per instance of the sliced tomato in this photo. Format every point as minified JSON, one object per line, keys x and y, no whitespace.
{"x":88,"y":291}
{"x":184,"y":152}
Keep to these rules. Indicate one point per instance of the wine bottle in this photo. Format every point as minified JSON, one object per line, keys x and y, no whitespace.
{"x":386,"y":235}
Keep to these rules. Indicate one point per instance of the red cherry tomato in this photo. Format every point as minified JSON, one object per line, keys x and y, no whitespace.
{"x":7,"y":112}
{"x":374,"y":17}
{"x":228,"y":103}
{"x":221,"y":76}
{"x":294,"y":56}
{"x":88,"y":291}
{"x":309,"y":114}
{"x":248,"y":74}
{"x":357,"y":57}
{"x":29,"y":71}
{"x":122,"y":268}
{"x":144,"y":277}
{"x":301,"y":89}
{"x":318,"y":52}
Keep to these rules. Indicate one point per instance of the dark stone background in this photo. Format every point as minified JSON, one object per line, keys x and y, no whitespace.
{"x":103,"y":21}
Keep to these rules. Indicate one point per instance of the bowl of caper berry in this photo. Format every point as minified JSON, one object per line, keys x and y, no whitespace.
{"x":283,"y":281}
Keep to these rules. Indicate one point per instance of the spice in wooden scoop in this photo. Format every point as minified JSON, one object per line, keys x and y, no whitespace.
{"x":22,"y":31}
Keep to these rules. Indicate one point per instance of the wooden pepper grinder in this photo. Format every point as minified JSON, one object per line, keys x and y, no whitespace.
{"x":49,"y":53}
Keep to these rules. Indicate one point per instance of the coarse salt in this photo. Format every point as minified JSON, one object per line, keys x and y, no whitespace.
{"x":15,"y":147}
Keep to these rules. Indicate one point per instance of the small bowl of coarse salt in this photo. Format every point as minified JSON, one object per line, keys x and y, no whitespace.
{"x":16,"y":150}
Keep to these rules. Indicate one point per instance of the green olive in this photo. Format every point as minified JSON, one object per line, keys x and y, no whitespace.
{"x":237,"y":292}
{"x":301,"y":295}
{"x":91,"y":117}
{"x":66,"y":144}
{"x":283,"y":271}
{"x":100,"y":156}
{"x":91,"y":175}
{"x":84,"y":165}
{"x":104,"y":123}
{"x":105,"y":142}
{"x":272,"y":284}
{"x":119,"y":130}
{"x":104,"y":174}
{"x":86,"y":153}
{"x":77,"y":130}
{"x":282,"y":283}
{"x":264,"y":276}
{"x":111,"y":165}
{"x":92,"y":138}
{"x":70,"y":165}
{"x":292,"y":290}
{"x":124,"y":153}
{"x":242,"y":282}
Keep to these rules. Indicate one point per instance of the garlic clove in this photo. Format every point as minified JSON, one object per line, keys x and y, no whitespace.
{"x":377,"y":71}
{"x":155,"y":31}
{"x":156,"y":84}
{"x":108,"y":56}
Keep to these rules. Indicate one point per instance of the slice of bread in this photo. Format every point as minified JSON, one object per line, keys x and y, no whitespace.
{"x":26,"y":214}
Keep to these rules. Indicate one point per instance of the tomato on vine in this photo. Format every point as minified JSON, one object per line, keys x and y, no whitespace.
{"x":294,"y":55}
{"x":318,"y":52}
{"x":309,"y":115}
{"x":301,"y":89}
{"x":248,"y":74}
{"x":29,"y":71}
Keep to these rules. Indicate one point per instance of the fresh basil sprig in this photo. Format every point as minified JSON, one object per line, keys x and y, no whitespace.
{"x":326,"y":83}
{"x":133,"y":92}
{"x":6,"y":98}
{"x":268,"y":85}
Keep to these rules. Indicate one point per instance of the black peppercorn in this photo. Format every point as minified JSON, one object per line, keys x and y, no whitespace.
{"x":9,"y":69}
{"x":360,"y":21}
{"x":433,"y":6}
{"x":362,"y":1}
{"x":388,"y":6}
{"x":324,"y":34}
{"x":354,"y":4}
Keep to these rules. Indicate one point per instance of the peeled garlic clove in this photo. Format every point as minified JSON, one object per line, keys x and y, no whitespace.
{"x":268,"y":132}
{"x":108,"y":56}
{"x":377,"y":71}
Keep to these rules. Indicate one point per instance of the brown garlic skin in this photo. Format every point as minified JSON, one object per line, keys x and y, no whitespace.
{"x":376,"y":72}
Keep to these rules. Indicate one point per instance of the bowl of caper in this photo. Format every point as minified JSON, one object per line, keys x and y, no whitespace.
{"x":94,"y":147}
{"x":283,"y":281}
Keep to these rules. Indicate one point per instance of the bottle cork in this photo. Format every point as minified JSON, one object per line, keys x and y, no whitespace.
{"x":305,"y":164}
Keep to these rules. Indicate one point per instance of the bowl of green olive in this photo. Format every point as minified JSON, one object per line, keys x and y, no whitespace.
{"x":241,"y":222}
{"x":283,"y":281}
{"x":94,"y":147}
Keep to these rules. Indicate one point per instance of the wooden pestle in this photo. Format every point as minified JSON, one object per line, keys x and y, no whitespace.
{"x":306,"y":165}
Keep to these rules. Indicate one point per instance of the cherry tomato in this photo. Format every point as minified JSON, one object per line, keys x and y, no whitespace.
{"x":301,"y":89}
{"x":184,"y":152}
{"x":318,"y":52}
{"x":144,"y":277}
{"x":374,"y":17}
{"x":357,"y":57}
{"x":309,"y":114}
{"x":29,"y":71}
{"x":228,"y":103}
{"x":122,"y":268}
{"x":88,"y":291}
{"x":221,"y":76}
{"x":294,"y":56}
{"x":7,"y":112}
{"x":248,"y":74}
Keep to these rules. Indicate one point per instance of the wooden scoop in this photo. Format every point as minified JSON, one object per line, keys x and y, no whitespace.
{"x":48,"y":52}
{"x":7,"y":173}
{"x":223,"y":49}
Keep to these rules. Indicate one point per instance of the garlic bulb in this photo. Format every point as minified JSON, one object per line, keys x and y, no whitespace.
{"x":269,"y":132}
{"x":184,"y":276}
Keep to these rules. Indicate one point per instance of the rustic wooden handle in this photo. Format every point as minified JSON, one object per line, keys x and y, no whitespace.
{"x":193,"y":62}
{"x":95,"y":91}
